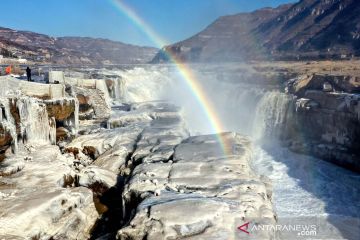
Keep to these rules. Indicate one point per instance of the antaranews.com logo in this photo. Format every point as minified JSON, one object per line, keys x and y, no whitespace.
{"x":330,"y":227}
{"x":300,"y":230}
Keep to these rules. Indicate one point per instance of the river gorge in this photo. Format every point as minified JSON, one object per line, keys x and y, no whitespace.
{"x":106,"y":153}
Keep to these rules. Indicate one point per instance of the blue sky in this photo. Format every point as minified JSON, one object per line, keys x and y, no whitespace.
{"x":173,"y":20}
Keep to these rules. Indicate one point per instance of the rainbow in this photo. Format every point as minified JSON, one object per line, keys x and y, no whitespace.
{"x":184,"y":70}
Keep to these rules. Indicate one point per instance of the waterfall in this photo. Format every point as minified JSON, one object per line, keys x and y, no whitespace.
{"x":236,"y":104}
{"x":117,"y":91}
{"x":141,"y":84}
{"x":271,"y":115}
{"x":244,"y":107}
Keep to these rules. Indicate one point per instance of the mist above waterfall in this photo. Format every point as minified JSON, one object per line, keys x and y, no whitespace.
{"x":235,"y":102}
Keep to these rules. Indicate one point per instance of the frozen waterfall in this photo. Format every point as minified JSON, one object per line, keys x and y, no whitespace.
{"x":303,"y":185}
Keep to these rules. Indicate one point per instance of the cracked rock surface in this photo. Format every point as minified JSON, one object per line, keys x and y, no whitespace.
{"x":201,"y":193}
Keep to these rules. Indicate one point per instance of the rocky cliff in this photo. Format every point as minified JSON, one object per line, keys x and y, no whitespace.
{"x":312,"y":107}
{"x":308,"y":29}
{"x":70,"y":50}
{"x":323,"y":120}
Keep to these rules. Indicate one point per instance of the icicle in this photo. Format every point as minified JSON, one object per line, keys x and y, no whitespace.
{"x":52,"y":133}
{"x":118,"y":91}
{"x":34,"y":122}
{"x":7,"y":121}
{"x":73,"y":121}
{"x":76,"y":115}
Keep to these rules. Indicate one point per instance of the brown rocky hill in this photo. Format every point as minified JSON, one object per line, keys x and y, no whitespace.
{"x":70,"y":50}
{"x":308,"y":29}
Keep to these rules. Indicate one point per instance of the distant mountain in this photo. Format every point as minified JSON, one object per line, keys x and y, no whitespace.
{"x":308,"y":29}
{"x":70,"y":50}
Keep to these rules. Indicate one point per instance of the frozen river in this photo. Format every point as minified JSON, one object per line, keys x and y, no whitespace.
{"x":303,"y":186}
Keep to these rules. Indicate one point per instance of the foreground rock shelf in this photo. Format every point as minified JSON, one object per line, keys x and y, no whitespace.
{"x":188,"y":183}
{"x":196,"y":193}
{"x":141,"y":177}
{"x":34,"y":203}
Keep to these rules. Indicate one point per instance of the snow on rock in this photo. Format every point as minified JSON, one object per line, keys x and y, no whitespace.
{"x":36,"y":204}
{"x":97,"y":179}
{"x":140,"y":112}
{"x":178,"y":186}
{"x":11,"y":85}
{"x":201,"y":193}
{"x":96,"y":144}
{"x":124,"y":145}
